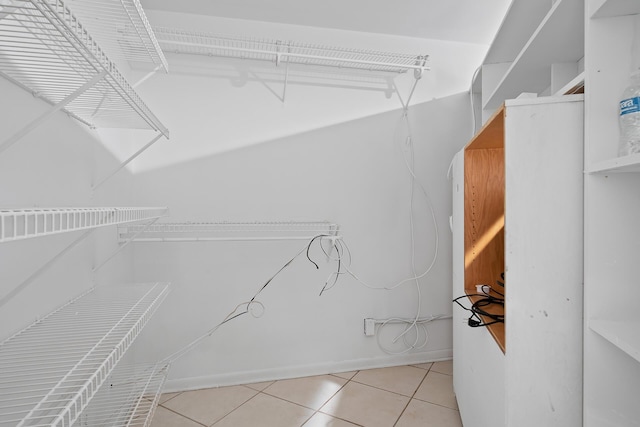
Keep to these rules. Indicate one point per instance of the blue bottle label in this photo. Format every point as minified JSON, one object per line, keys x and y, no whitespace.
{"x":631,"y":105}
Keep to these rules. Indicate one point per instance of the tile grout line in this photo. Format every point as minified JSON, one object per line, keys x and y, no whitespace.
{"x":182,"y":415}
{"x":332,"y":396}
{"x":237,"y":407}
{"x":384,"y":389}
{"x":315,"y":411}
{"x":171,"y":398}
{"x":412,"y":396}
{"x":327,"y":401}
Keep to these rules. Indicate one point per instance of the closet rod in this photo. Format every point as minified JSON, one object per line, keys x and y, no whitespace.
{"x":287,"y":51}
{"x":283,"y":54}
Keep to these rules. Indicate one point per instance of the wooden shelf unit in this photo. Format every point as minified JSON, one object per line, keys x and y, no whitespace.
{"x":517,"y":209}
{"x":484,"y":188}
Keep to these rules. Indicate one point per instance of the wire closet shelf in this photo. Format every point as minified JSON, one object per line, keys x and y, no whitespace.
{"x":122,"y":29}
{"x":129,"y":399}
{"x":28,"y":223}
{"x":226,"y":231}
{"x":46,"y":50}
{"x":52,"y":370}
{"x":287,"y":52}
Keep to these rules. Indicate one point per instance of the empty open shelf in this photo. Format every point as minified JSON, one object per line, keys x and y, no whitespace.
{"x":558,"y":39}
{"x":51,"y":370}
{"x":623,"y":334}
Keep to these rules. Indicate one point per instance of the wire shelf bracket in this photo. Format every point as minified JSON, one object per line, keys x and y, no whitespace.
{"x":47,"y":51}
{"x":23,"y":224}
{"x":53,"y":369}
{"x":124,"y":245}
{"x":47,"y":115}
{"x":126,"y":162}
{"x":33,"y":276}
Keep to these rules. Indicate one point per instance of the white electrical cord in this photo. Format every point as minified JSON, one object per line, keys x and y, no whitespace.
{"x":342,"y":249}
{"x":473,"y":108}
{"x":252,"y":306}
{"x":473,"y":117}
{"x":411,"y":323}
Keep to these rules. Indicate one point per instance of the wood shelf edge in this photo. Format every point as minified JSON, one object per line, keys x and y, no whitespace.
{"x":491,"y":135}
{"x":496,"y":330}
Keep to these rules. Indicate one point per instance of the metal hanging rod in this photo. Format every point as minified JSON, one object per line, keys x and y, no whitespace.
{"x":226,"y":231}
{"x":122,"y":29}
{"x":51,"y":370}
{"x":46,"y":50}
{"x":288,"y":52}
{"x":18,"y":224}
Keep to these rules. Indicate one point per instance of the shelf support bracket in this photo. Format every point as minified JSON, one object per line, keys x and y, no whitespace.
{"x":147,"y":76}
{"x":44,"y":117}
{"x":334,"y":236}
{"x":279,"y":56}
{"x":124,"y":245}
{"x":126,"y":162}
{"x":43,"y":268}
{"x":421,"y":61}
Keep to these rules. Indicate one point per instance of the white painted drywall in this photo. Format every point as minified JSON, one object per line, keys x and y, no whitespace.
{"x":352,"y":174}
{"x":331,"y":151}
{"x":53,"y":166}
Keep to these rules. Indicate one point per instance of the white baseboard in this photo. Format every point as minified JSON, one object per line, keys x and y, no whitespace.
{"x":280,"y":373}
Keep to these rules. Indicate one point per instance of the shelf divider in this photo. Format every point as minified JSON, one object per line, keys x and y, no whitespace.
{"x":559,"y":38}
{"x":626,"y":164}
{"x":622,"y":334}
{"x":611,"y":8}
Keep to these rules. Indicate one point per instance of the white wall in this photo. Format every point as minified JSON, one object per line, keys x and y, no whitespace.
{"x":352,"y":174}
{"x":331,"y":151}
{"x":53,"y":166}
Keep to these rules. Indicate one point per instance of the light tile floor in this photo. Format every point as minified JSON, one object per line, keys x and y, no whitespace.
{"x":401,"y":396}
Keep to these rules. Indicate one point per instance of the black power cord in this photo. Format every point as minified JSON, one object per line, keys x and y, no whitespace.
{"x":478,"y":308}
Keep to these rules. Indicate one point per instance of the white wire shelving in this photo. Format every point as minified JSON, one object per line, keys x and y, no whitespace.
{"x":129,"y":397}
{"x":122,"y":29}
{"x":226,"y":231}
{"x":45,"y":49}
{"x":50,"y":371}
{"x":28,"y":223}
{"x":286,"y":52}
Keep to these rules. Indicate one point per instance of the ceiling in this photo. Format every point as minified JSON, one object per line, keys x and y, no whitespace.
{"x":471,"y":21}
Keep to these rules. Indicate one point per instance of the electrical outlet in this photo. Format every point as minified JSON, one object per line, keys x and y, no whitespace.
{"x":369,"y":327}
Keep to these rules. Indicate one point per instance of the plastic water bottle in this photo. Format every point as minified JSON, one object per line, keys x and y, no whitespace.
{"x":630,"y":117}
